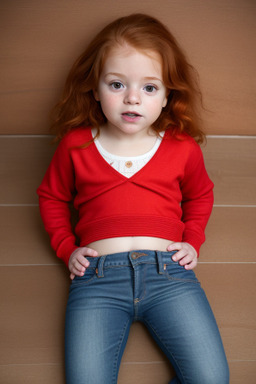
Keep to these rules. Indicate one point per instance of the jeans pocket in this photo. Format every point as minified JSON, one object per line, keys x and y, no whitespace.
{"x":87,"y":278}
{"x":174,"y":271}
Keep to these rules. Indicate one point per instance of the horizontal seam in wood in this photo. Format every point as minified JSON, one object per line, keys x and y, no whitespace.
{"x":207,"y":136}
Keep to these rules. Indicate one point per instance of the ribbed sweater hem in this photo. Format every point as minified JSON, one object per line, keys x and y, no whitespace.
{"x":122,"y":226}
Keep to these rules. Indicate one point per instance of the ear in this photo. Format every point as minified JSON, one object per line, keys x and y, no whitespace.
{"x":96,"y":95}
{"x":168,"y":92}
{"x":165,"y":101}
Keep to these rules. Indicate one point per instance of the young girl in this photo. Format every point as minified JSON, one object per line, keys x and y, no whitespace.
{"x":129,"y":159}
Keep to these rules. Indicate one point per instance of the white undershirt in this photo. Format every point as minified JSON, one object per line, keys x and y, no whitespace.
{"x":127,"y":166}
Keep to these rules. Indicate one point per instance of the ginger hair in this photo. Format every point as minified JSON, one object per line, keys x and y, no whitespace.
{"x":78,"y":107}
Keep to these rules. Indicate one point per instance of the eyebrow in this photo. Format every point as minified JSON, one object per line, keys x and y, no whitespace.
{"x":148,"y":78}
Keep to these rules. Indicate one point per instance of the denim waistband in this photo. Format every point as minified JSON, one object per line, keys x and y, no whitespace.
{"x":131,"y":258}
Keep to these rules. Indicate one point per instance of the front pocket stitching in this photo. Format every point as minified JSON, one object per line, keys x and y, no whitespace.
{"x":183,"y":280}
{"x":75,"y":283}
{"x":170,"y":277}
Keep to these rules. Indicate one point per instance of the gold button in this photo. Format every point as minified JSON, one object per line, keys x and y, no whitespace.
{"x":128,"y":164}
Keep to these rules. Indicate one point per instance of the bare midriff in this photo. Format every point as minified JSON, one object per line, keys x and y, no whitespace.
{"x":127,"y":244}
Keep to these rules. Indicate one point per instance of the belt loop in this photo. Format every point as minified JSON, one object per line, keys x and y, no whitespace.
{"x":160,"y":262}
{"x":99,"y":271}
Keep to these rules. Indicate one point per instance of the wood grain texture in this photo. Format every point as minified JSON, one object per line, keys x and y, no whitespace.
{"x":230,"y":289}
{"x":23,"y":238}
{"x":40,"y":41}
{"x":230,"y":237}
{"x":242,"y":372}
{"x":33,"y":303}
{"x":23,"y":162}
{"x":159,"y":373}
{"x":230,"y":162}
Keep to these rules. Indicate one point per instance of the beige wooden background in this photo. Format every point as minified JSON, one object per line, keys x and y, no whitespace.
{"x":39,"y":42}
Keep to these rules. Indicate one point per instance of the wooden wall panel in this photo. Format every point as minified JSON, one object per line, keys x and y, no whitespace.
{"x":23,"y":238}
{"x":230,"y":289}
{"x":32,"y":318}
{"x":230,"y":237}
{"x":40,"y":40}
{"x":32,"y":374}
{"x":32,"y":314}
{"x":231,"y":164}
{"x":226,"y":266}
{"x":23,"y":162}
{"x":242,"y":372}
{"x":40,"y":374}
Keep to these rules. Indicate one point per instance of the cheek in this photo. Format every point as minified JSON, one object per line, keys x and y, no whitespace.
{"x":155,"y":107}
{"x":108,"y":105}
{"x":108,"y":101}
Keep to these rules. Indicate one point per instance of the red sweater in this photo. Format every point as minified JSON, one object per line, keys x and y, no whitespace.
{"x":170,"y":197}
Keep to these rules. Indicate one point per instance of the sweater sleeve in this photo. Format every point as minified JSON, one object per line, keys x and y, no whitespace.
{"x":55,"y":193}
{"x":197,"y":200}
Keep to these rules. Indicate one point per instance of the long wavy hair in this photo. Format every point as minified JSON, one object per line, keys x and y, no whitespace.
{"x":78,"y":107}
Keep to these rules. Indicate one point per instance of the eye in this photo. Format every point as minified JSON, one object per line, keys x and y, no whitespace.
{"x":116,"y":85}
{"x":150,"y":88}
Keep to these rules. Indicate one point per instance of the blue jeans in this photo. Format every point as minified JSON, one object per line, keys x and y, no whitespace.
{"x":145,"y":286}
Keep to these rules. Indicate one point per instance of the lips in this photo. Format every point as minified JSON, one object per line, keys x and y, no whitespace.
{"x":131,"y":114}
{"x":131,"y":117}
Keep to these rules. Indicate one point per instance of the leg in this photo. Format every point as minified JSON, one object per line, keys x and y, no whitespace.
{"x":97,"y":328}
{"x":182,"y":323}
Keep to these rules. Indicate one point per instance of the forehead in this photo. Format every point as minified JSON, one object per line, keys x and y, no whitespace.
{"x":126,"y":56}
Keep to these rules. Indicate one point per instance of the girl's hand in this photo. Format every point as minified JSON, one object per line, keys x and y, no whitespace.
{"x":78,"y":263}
{"x":186,"y":255}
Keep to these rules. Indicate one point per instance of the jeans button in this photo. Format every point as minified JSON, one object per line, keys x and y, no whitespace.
{"x":134,"y":255}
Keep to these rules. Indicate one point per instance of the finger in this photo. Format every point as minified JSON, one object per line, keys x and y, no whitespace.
{"x":186,"y":260}
{"x":79,"y":268}
{"x":179,"y":255}
{"x":174,"y":247}
{"x":192,"y":265}
{"x":81,"y":261}
{"x":72,"y":276}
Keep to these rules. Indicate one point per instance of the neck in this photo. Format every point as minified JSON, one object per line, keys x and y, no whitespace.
{"x":122,"y":144}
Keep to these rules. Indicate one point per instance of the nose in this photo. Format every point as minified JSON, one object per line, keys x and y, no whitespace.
{"x":132,"y":97}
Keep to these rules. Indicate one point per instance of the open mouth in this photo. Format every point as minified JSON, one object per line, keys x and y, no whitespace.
{"x":131,"y":114}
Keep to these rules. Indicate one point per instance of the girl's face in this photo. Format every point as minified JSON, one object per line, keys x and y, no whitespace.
{"x":131,"y":90}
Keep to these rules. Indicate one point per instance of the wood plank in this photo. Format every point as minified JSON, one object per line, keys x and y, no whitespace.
{"x":23,"y":238}
{"x":40,"y":40}
{"x":230,"y":289}
{"x":231,"y":164}
{"x":33,"y":303}
{"x":159,"y":372}
{"x":230,"y":237}
{"x":240,"y":372}
{"x":32,"y":374}
{"x":23,"y":162}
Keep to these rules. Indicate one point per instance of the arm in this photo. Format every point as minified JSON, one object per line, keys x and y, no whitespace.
{"x":197,"y":202}
{"x":55,"y":194}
